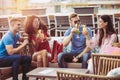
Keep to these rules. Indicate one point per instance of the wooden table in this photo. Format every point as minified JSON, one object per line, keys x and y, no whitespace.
{"x":51,"y":72}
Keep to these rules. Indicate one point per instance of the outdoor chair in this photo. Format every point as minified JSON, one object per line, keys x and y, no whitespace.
{"x":105,"y":65}
{"x":96,"y":58}
{"x":62,"y":75}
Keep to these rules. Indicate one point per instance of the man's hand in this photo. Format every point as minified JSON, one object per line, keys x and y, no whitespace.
{"x":73,"y":30}
{"x":75,"y":59}
{"x":11,"y":50}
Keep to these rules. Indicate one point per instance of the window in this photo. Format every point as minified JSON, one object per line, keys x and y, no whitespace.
{"x":57,"y":8}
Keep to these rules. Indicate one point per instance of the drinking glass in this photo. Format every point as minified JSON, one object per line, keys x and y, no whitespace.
{"x":77,"y":31}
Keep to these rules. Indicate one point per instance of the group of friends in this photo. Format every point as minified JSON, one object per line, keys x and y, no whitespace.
{"x":37,"y":35}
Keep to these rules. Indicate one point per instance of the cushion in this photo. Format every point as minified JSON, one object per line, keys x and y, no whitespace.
{"x":113,"y":50}
{"x":58,"y":39}
{"x":114,"y":72}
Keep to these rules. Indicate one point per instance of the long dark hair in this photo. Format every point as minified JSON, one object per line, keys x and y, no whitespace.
{"x":109,"y":28}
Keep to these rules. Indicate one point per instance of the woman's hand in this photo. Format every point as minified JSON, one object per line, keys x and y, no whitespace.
{"x":42,"y":36}
{"x":84,"y":31}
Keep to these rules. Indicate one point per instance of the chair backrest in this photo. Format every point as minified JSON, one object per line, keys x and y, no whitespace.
{"x":61,"y":24}
{"x":62,"y":75}
{"x":62,"y":21}
{"x":87,"y":19}
{"x":45,"y":19}
{"x":107,"y":64}
{"x":4,"y":25}
{"x":96,"y":58}
{"x":4,"y":22}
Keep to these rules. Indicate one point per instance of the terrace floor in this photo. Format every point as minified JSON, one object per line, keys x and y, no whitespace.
{"x":20,"y":78}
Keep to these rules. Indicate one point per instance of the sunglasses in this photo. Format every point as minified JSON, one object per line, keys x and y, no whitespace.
{"x":76,"y":21}
{"x":19,"y":24}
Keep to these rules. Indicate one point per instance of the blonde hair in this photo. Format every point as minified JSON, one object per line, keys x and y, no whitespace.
{"x":13,"y":20}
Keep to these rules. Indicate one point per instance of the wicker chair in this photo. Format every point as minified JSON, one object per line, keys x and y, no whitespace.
{"x":61,"y":75}
{"x":105,"y":65}
{"x":96,"y":58}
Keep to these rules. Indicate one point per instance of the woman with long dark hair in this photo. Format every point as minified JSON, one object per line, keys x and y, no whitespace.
{"x":106,"y":31}
{"x":104,"y":38}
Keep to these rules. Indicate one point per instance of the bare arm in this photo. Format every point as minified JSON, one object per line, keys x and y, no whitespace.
{"x":68,"y":38}
{"x":87,"y":49}
{"x":21,"y":39}
{"x":11,"y":50}
{"x":113,"y":39}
